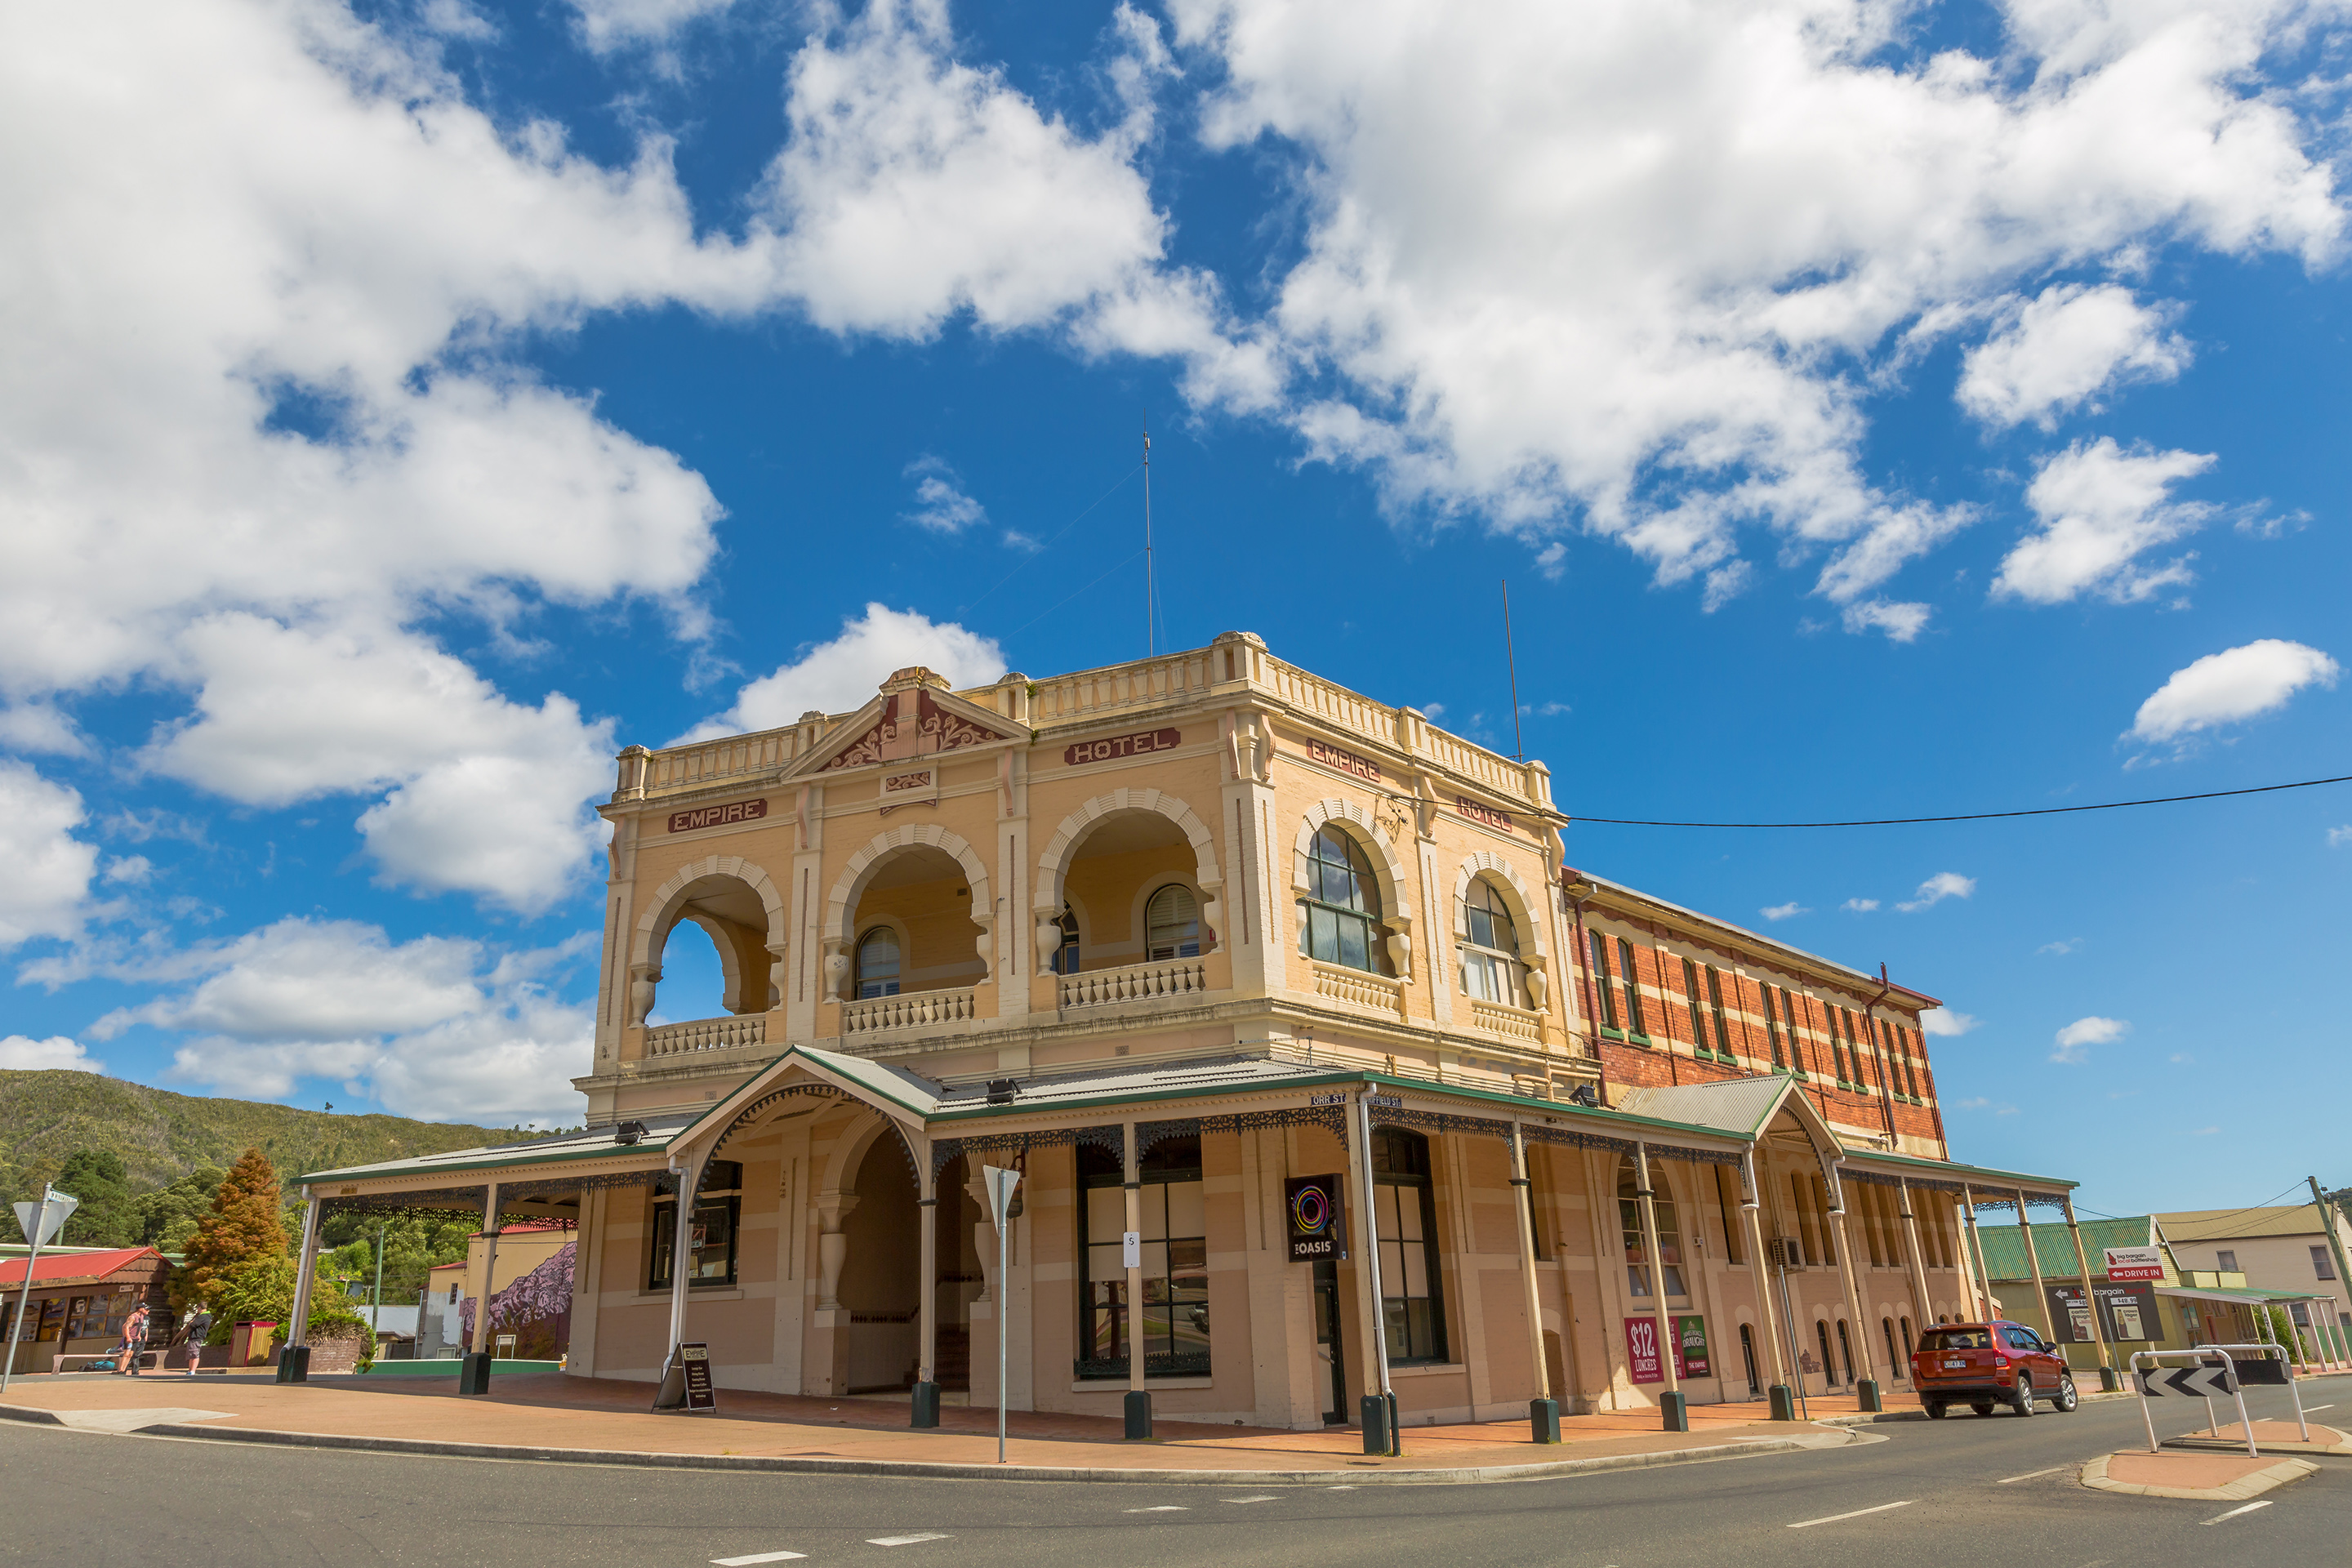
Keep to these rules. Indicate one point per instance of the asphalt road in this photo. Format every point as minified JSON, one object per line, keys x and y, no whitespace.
{"x":1988,"y":1490}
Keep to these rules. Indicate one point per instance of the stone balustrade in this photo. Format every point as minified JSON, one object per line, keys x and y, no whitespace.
{"x":1358,"y":989}
{"x":908,"y":1010}
{"x":1501,"y":1018}
{"x":706,"y":1034}
{"x":1135,"y":983}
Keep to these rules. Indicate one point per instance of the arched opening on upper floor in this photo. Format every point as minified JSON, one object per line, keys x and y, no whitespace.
{"x":739,"y":916}
{"x":909,"y":927}
{"x":1131,"y":894}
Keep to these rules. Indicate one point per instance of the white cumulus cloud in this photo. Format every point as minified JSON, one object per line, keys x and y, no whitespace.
{"x":1784,"y":912}
{"x":45,"y":886}
{"x":2054,"y":353}
{"x":2100,"y":509}
{"x":2076,"y":1040}
{"x":842,"y":675}
{"x":1947,"y":1023}
{"x":1936,"y":889}
{"x":2236,"y":684}
{"x":941,"y":503}
{"x":1859,"y":906}
{"x":606,"y":26}
{"x":59,"y":1053}
{"x":442,"y":1028}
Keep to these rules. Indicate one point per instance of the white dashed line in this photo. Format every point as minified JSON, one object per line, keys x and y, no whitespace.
{"x":903,"y":1539}
{"x":1163,"y":1507}
{"x":1339,"y":1489}
{"x":1858,"y":1513}
{"x":1268,"y":1498}
{"x":2311,"y":1409}
{"x":2236,"y":1512}
{"x":2031,"y":1474}
{"x":757,"y":1557}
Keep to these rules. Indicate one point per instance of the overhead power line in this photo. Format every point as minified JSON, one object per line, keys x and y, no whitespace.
{"x":1976,"y":815}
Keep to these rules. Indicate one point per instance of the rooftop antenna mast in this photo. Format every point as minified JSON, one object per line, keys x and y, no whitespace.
{"x":1510,"y":660}
{"x":1151,"y":623}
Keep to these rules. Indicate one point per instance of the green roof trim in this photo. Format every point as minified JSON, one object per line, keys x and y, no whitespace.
{"x":2004,"y":1250}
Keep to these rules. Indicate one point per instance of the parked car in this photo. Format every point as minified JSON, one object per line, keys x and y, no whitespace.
{"x":1984,"y":1364}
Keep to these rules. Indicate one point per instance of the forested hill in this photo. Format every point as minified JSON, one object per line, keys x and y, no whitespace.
{"x":162,"y":1136}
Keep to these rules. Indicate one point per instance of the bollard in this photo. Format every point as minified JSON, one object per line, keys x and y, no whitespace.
{"x":474,"y":1373}
{"x":1139,"y":1414}
{"x":1543,"y":1417}
{"x":1784,"y":1403}
{"x":1673,"y":1413}
{"x":294,"y":1365}
{"x":927,"y":1405}
{"x":1376,"y":1424}
{"x":1866,"y":1391}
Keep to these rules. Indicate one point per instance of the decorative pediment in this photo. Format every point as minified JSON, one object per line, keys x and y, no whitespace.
{"x":915,"y":717}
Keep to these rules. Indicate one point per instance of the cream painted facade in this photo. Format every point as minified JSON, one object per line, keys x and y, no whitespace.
{"x":889,"y":891}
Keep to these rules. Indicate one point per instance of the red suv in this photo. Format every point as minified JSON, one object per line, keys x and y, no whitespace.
{"x":1984,"y":1364}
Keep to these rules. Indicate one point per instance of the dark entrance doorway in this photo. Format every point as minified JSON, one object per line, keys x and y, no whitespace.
{"x":1327,"y":1342}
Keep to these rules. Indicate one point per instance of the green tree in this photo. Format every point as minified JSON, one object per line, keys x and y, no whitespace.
{"x":168,"y":1217}
{"x":261,"y":1291}
{"x":109,"y":1215}
{"x":241,"y":1227}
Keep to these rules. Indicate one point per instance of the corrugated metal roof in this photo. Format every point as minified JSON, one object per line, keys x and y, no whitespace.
{"x":2221,"y":1225}
{"x":2004,"y":1250}
{"x":1739,"y":1105}
{"x":585,"y":1145}
{"x":57,"y":1269}
{"x":1240,"y":1072}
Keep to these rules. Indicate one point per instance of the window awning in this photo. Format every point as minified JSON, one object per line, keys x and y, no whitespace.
{"x":2246,"y":1298}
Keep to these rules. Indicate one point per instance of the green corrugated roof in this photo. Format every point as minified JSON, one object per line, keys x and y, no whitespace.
{"x":2004,"y":1250}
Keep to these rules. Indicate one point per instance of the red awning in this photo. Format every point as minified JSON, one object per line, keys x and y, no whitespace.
{"x":72,"y":1267}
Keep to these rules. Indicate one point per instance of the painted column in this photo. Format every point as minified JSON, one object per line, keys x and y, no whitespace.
{"x":1861,"y":1330}
{"x":1134,"y":1315}
{"x":297,"y":1333}
{"x":1013,"y":956}
{"x":1979,"y":1292}
{"x":1972,"y":1239}
{"x":1922,"y":1303}
{"x":681,"y":1251}
{"x":1751,"y":1206}
{"x":926,"y":1311}
{"x":1521,"y":1195}
{"x":806,"y":985}
{"x":2107,"y":1374}
{"x":1372,"y":1363}
{"x":491,"y":1271}
{"x":2032,"y":1259}
{"x":1658,"y":1270}
{"x":1253,"y":930}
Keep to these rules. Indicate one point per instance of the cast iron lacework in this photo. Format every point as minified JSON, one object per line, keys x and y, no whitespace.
{"x":744,"y":1117}
{"x":1160,"y":1363}
{"x":944,"y":1149}
{"x":1535,"y":1132}
{"x":1916,"y":1184}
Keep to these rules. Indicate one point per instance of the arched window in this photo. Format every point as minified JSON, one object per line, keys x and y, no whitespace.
{"x":1846,"y":1349}
{"x":1894,"y":1357}
{"x":877,"y":963}
{"x":1748,"y":1354}
{"x":1172,"y":923}
{"x":1490,"y":949}
{"x":1342,"y":902}
{"x":1065,"y":957}
{"x":1629,"y":1214}
{"x":1413,"y":1303}
{"x":1829,"y":1367}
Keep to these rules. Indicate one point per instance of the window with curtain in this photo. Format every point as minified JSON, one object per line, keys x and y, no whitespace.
{"x":1174,"y":1318}
{"x":1697,"y":1022}
{"x":1629,"y":1217}
{"x":1065,"y":957}
{"x":1172,"y":923}
{"x":1772,"y":1029}
{"x":1601,"y":984}
{"x":710,"y":1234}
{"x":1338,"y":916}
{"x":1845,"y":1349}
{"x":1490,"y":949}
{"x":877,"y":963}
{"x":1413,"y":1303}
{"x":1629,"y":979}
{"x":1829,"y":1367}
{"x":1793,"y":1015}
{"x":1716,"y":1014}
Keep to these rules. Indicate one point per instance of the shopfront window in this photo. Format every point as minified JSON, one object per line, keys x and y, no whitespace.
{"x":1175,"y":1315}
{"x":877,"y":963}
{"x":711,"y":1235}
{"x":1628,"y":1215}
{"x":1490,"y":948}
{"x":1338,"y":916}
{"x":1172,"y":924}
{"x":1412,"y":1302}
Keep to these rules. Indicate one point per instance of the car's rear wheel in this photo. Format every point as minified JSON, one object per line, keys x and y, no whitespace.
{"x":1983,"y":1407}
{"x":1934,"y":1410}
{"x":2067,"y":1398}
{"x":2021,"y":1403}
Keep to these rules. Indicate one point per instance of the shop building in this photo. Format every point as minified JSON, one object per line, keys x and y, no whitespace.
{"x":79,"y":1299}
{"x":1290,"y":986}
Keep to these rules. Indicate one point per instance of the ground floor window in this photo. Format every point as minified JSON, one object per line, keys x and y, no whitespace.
{"x":1829,"y":1367}
{"x":1629,"y":1216}
{"x":1846,"y":1349}
{"x":1748,"y":1354}
{"x":710,"y":1234}
{"x":1886,"y":1325}
{"x":1412,"y":1304}
{"x":1174,"y":1323}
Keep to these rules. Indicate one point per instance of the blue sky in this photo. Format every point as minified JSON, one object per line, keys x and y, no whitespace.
{"x":1876,"y":412}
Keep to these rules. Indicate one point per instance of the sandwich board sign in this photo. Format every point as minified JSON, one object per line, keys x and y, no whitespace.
{"x":695,"y":1361}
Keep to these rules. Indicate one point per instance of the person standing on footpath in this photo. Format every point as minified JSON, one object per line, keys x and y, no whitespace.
{"x":134,"y":1341}
{"x":198,"y":1329}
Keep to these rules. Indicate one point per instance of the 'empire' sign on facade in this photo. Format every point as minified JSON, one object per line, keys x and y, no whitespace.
{"x":1346,"y":762}
{"x":718,"y":815}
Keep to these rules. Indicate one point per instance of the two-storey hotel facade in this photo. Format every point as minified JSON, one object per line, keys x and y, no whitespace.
{"x":1324,"y":1075}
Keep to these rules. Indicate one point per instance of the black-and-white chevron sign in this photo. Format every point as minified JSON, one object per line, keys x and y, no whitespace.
{"x":2191,"y":1382}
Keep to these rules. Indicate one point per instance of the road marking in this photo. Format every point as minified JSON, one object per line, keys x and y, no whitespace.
{"x":1268,"y":1498}
{"x":1858,"y":1513}
{"x":2236,"y":1512}
{"x":2309,"y":1409}
{"x":1348,"y":1489}
{"x":757,"y":1557}
{"x":1163,"y":1507}
{"x":903,"y":1539}
{"x":2031,"y":1474}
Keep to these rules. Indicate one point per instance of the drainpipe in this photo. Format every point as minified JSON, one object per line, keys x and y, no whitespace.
{"x":1878,"y":1049}
{"x":1570,"y":879}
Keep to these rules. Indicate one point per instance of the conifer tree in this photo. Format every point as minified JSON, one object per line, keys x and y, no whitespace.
{"x":242,"y":1227}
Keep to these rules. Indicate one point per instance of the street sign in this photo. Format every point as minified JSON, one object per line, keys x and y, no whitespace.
{"x":2135,"y":1263}
{"x":1000,"y":1183}
{"x":61,"y":1206}
{"x":699,"y":1393}
{"x":1313,"y":1204}
{"x":2189,"y":1382}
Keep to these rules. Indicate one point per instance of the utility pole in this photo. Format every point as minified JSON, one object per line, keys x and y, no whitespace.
{"x":375,"y":1302}
{"x":1150,"y":615}
{"x":2328,"y":1212}
{"x":1511,"y":661}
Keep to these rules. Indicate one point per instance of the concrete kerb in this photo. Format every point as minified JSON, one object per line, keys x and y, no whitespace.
{"x":787,"y":1465}
{"x":2094,"y":1476}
